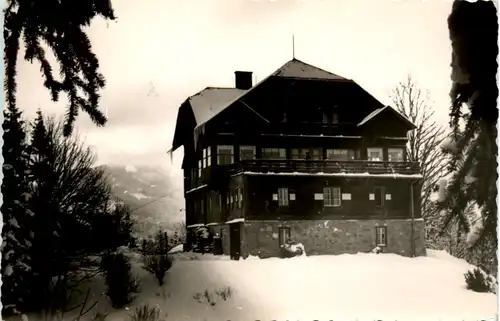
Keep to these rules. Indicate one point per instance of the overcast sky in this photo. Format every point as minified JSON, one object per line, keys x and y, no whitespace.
{"x":161,"y":51}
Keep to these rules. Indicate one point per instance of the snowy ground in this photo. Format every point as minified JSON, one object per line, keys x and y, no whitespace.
{"x":343,"y":287}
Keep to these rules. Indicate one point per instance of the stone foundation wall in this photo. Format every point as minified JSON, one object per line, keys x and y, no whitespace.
{"x":333,"y":236}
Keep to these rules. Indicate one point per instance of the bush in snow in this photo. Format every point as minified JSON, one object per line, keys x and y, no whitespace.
{"x":292,"y":249}
{"x":155,"y":256}
{"x":119,"y":280}
{"x":203,"y":242}
{"x":479,"y":281}
{"x":146,"y":313}
{"x":211,"y":297}
{"x":377,"y":250}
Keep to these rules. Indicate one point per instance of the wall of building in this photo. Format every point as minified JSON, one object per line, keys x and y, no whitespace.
{"x":260,"y":203}
{"x":222,"y":231}
{"x":333,"y":236}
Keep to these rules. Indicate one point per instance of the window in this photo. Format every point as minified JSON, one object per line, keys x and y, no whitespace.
{"x":301,"y":153}
{"x":247,"y":152}
{"x":340,"y":154}
{"x":395,"y":154}
{"x":225,"y":154}
{"x":331,"y":196}
{"x":240,"y":197}
{"x":375,"y":154}
{"x":193,"y":177}
{"x":283,"y":196}
{"x":330,"y":117}
{"x":284,"y":235}
{"x":274,"y":153}
{"x":207,"y":155}
{"x":379,"y":196}
{"x":200,"y":167}
{"x":335,"y":118}
{"x":381,"y":235}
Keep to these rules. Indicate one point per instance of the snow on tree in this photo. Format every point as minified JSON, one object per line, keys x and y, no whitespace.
{"x":16,"y":220}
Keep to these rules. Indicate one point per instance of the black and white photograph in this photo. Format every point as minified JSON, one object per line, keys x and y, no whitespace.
{"x":249,"y":160}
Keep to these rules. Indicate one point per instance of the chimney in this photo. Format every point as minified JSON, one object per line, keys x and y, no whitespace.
{"x":243,"y":79}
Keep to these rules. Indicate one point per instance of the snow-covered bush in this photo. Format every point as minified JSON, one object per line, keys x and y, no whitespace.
{"x":211,"y":297}
{"x":203,"y":242}
{"x":155,"y":256}
{"x":479,"y":281}
{"x":292,"y":249}
{"x":146,"y":313}
{"x":377,"y":250}
{"x":119,"y":280}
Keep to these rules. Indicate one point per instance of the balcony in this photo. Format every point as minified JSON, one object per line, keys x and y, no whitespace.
{"x":325,"y":166}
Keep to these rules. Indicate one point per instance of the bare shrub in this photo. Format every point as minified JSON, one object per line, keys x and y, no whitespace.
{"x":155,"y":256}
{"x":146,"y":313}
{"x":211,"y":297}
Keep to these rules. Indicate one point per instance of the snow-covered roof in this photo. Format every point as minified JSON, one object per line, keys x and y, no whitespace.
{"x":292,"y":69}
{"x":378,"y":111}
{"x":212,"y":100}
{"x":299,"y":69}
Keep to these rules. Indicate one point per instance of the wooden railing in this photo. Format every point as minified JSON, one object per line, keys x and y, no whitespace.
{"x":326,"y":166}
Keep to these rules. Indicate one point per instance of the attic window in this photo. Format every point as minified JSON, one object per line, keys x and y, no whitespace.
{"x":335,"y":118}
{"x":330,"y":117}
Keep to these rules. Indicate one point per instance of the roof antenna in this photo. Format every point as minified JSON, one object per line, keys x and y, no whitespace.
{"x":293,"y":46}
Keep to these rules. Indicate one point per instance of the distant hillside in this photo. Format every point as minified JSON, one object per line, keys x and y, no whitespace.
{"x":154,"y":197}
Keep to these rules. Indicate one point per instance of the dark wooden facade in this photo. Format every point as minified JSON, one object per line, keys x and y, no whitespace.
{"x":301,"y":116}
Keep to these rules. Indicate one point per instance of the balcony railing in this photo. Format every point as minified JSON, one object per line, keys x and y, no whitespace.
{"x":326,"y":166}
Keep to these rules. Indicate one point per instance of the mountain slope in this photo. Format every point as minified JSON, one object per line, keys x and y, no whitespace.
{"x":153,"y":195}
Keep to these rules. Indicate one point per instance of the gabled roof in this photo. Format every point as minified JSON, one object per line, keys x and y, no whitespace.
{"x":379,"y":111}
{"x":210,"y":101}
{"x":292,"y":69}
{"x":299,"y":69}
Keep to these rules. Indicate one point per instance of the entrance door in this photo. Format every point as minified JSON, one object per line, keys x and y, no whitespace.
{"x":235,"y":240}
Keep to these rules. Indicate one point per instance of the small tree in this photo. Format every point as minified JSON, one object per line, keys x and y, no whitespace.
{"x":119,"y":280}
{"x":155,"y":258}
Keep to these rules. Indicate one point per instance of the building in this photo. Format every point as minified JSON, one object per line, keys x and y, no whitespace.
{"x":305,"y":155}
